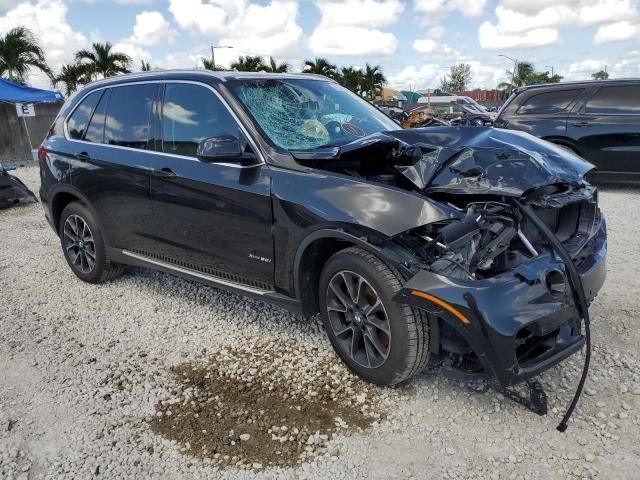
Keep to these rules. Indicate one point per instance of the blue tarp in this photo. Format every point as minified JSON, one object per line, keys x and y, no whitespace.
{"x":11,"y":92}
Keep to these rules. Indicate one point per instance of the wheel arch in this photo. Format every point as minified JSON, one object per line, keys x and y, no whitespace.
{"x":63,"y":196}
{"x":312,"y":254}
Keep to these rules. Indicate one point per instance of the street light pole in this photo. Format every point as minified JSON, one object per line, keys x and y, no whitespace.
{"x":551,"y":67}
{"x":513,"y":74}
{"x":213,"y":53}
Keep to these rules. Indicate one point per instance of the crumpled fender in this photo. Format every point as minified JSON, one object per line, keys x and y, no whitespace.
{"x":13,"y":191}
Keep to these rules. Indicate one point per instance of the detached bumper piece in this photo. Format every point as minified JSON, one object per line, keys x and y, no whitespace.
{"x":13,"y":191}
{"x":517,"y":324}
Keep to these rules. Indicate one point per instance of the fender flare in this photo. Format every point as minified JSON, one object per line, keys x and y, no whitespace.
{"x":326,"y":233}
{"x":70,"y":189}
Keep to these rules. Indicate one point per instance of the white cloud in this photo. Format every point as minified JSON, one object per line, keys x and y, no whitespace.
{"x":134,"y":2}
{"x":430,"y":75}
{"x":136,"y":53}
{"x":248,"y":27}
{"x":351,"y":27}
{"x":583,"y":69}
{"x":492,"y":37}
{"x":435,"y":10}
{"x":7,"y":4}
{"x":615,"y":32}
{"x":437,"y":32}
{"x":435,"y":49}
{"x":151,"y":28}
{"x":523,"y":23}
{"x":47,"y":20}
{"x":417,"y":78}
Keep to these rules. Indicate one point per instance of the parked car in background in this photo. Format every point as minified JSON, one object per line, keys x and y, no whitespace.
{"x":414,"y":245}
{"x":598,"y":120}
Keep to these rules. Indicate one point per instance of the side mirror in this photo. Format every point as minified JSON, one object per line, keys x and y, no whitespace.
{"x":222,"y":148}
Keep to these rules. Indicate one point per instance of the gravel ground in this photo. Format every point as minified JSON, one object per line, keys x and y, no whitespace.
{"x":90,"y":376}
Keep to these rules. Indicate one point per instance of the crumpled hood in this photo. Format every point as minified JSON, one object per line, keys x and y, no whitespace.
{"x":480,"y":159}
{"x":465,"y":160}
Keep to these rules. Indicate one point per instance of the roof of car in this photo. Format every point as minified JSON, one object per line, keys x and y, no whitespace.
{"x":578,"y":83}
{"x":201,"y":74}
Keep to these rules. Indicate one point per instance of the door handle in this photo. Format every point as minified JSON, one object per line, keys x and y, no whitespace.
{"x":165,"y":172}
{"x":83,"y":156}
{"x":581,"y":124}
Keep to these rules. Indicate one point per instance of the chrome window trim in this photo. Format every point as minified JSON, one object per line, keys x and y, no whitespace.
{"x":251,"y":141}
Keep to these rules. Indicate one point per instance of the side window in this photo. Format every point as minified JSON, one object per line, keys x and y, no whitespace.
{"x":549,"y":102}
{"x":95,"y":132}
{"x":127,"y":121}
{"x":191,"y":113}
{"x":78,"y":121}
{"x":621,"y":100}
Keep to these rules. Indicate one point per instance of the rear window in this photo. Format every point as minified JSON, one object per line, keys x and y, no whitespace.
{"x":549,"y":102}
{"x":95,"y":132}
{"x":128,"y":113}
{"x":620,"y":100}
{"x":78,"y":121}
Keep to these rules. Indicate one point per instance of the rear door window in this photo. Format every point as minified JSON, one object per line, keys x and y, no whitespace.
{"x":191,"y":113}
{"x":128,"y":114}
{"x":95,"y":132}
{"x":615,"y":100}
{"x":549,"y":102}
{"x":79,"y":119}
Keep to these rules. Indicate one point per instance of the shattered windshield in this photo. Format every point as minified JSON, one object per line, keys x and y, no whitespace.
{"x":300,"y":114}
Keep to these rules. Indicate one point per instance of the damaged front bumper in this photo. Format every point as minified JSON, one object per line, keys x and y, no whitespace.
{"x":520,"y":323}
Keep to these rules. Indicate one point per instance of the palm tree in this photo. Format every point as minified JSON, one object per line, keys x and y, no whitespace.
{"x":275,"y":68}
{"x":351,"y":78}
{"x":71,"y":76}
{"x":320,"y":66}
{"x":103,"y":61}
{"x":524,"y":75}
{"x":19,"y":53}
{"x":373,"y":81}
{"x":145,"y":66}
{"x":207,"y":64}
{"x":249,"y":64}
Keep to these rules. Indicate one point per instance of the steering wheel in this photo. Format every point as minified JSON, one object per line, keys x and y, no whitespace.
{"x":350,"y":129}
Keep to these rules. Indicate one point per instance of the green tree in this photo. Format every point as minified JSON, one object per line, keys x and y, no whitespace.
{"x":273,"y":67}
{"x":458,"y":79}
{"x":249,"y":64}
{"x":71,"y":76}
{"x":351,"y":78}
{"x":19,"y":53}
{"x":207,"y":64}
{"x":103,"y":61}
{"x":372,"y":81}
{"x":145,"y":66}
{"x":526,"y":74}
{"x":320,"y":66}
{"x":601,"y":75}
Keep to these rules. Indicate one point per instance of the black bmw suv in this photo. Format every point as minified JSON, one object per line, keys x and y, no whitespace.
{"x":598,"y":120}
{"x":412,"y":244}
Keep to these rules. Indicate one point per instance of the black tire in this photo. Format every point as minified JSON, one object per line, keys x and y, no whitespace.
{"x":99,"y":267}
{"x":408,"y":345}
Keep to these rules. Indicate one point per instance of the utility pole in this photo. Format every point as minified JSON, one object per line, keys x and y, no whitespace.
{"x":513,"y":74}
{"x":213,"y":53}
{"x":551,"y":67}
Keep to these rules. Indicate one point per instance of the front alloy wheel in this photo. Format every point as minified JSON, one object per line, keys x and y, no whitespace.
{"x":358,"y":319}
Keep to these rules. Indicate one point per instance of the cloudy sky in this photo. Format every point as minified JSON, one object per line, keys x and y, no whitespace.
{"x":414,"y":41}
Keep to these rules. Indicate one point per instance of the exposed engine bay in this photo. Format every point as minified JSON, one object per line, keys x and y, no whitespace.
{"x":523,"y":252}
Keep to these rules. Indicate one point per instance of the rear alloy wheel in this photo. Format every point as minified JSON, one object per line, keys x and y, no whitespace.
{"x":382,"y":341}
{"x":83,"y":245}
{"x":78,"y":243}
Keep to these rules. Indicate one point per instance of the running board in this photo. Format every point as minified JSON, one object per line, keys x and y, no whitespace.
{"x":198,"y":275}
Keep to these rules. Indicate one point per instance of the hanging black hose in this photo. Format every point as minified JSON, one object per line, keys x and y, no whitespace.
{"x":579,"y":299}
